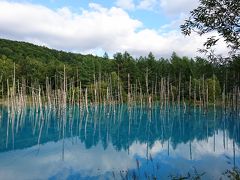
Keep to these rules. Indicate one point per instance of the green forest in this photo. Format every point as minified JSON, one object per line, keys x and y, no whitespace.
{"x":35,"y":64}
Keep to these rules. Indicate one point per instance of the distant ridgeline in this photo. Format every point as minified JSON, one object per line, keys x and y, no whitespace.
{"x":24,"y":66}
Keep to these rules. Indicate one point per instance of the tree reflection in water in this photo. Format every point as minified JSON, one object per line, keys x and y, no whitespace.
{"x":163,"y":141}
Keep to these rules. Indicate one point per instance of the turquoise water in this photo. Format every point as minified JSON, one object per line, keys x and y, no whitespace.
{"x":114,"y":142}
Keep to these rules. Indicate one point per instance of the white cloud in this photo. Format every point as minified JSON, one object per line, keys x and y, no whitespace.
{"x":169,"y":7}
{"x":173,"y":7}
{"x":126,"y":4}
{"x":97,"y":29}
{"x":133,"y":5}
{"x":147,"y":4}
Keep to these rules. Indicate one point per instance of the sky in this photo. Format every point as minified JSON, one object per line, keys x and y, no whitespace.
{"x":97,"y":26}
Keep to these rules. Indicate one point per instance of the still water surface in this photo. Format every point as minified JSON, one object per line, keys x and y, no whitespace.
{"x":114,"y":141}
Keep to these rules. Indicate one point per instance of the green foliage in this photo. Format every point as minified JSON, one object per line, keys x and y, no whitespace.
{"x":35,"y":63}
{"x":232,"y":174}
{"x":220,"y":16}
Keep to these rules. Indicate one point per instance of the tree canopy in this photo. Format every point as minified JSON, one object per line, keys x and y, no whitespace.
{"x":221,"y":16}
{"x":35,"y":63}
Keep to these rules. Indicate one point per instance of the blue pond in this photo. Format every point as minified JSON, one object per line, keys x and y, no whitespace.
{"x":117,"y":141}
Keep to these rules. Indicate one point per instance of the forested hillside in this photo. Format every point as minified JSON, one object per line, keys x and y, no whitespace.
{"x":35,"y":64}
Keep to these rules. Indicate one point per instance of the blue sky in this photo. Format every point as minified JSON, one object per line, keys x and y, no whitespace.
{"x":96,"y":26}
